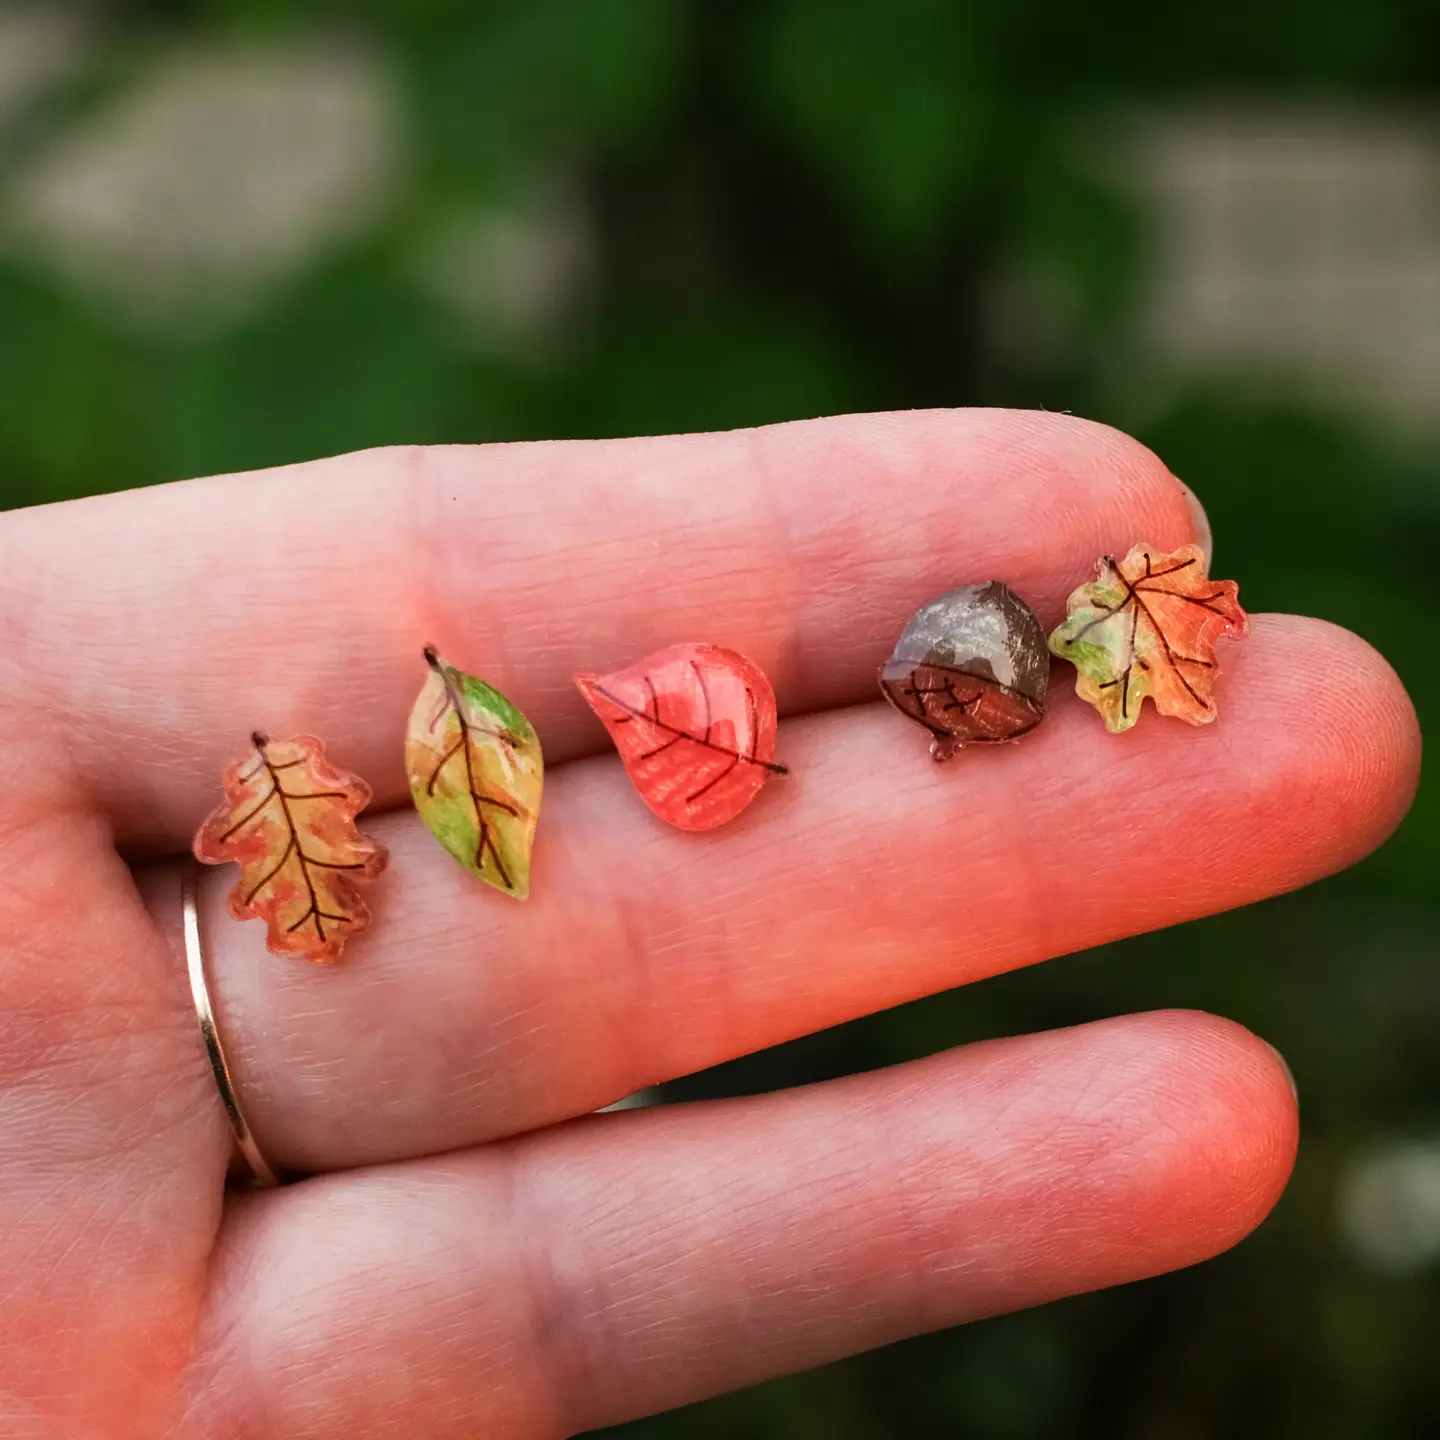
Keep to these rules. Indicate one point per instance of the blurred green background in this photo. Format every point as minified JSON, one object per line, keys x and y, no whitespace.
{"x":242,"y":232}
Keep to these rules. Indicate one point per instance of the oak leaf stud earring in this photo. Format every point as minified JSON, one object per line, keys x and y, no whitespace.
{"x":971,"y":668}
{"x":1147,"y":626}
{"x":476,"y":774}
{"x":288,"y":821}
{"x":695,"y":727}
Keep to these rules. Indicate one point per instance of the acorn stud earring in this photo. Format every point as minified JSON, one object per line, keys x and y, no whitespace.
{"x":288,"y":821}
{"x":476,"y":773}
{"x":971,"y":668}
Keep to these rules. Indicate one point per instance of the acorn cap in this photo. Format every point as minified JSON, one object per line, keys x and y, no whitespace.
{"x":983,"y":630}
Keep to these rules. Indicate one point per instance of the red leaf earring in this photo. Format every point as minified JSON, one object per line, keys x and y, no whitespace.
{"x":695,"y":727}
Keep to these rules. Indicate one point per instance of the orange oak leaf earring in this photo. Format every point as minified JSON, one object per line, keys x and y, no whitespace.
{"x":695,"y":727}
{"x":288,"y":821}
{"x":476,"y":774}
{"x":1147,"y":626}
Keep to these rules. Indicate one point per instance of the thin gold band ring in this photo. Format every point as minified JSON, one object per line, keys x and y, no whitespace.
{"x":260,"y":1169}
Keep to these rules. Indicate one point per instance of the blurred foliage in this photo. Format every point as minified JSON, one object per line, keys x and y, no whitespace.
{"x":802,"y":206}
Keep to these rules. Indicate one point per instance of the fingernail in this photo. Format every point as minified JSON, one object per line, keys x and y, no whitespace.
{"x":1285,"y":1066}
{"x":1200,"y":520}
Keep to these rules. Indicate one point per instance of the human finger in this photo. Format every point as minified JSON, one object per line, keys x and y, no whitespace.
{"x":155,"y":630}
{"x":630,"y":1263}
{"x":870,"y":877}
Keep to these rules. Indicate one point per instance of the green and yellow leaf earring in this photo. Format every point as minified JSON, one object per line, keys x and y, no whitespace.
{"x":476,"y":774}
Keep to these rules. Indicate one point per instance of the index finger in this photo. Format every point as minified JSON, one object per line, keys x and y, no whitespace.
{"x":156,"y":629}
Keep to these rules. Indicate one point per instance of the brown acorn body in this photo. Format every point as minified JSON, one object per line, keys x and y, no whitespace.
{"x":971,"y":668}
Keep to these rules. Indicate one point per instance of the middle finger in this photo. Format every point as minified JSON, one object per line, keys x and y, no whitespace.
{"x":870,"y":877}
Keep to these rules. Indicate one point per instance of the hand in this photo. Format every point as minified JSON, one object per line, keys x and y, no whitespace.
{"x":476,"y":1254}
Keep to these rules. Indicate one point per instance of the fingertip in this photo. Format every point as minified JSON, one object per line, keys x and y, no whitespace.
{"x":1226,"y":1119}
{"x":1040,"y":495}
{"x":1311,"y":763}
{"x":1256,"y":1129}
{"x":1111,"y":492}
{"x":1352,"y":729}
{"x":1127,"y":495}
{"x":1200,"y":523}
{"x":1386,"y":726}
{"x":1249,"y":1082}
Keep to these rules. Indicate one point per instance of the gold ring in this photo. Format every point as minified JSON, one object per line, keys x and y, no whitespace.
{"x":261,"y":1173}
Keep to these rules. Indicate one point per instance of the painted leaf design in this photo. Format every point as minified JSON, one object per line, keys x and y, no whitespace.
{"x":971,"y":667}
{"x":476,"y":773}
{"x":288,"y":821}
{"x":695,"y":726}
{"x":1147,"y":626}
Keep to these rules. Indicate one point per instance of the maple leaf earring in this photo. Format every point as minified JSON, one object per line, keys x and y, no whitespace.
{"x":476,"y":774}
{"x":695,"y":727}
{"x":1147,"y":626}
{"x":971,"y":668}
{"x":288,"y":821}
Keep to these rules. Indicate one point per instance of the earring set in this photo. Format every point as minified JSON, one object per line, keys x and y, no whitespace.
{"x":695,"y":726}
{"x":972,"y":666}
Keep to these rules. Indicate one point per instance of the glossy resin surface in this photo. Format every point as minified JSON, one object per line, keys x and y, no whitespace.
{"x":695,"y":726}
{"x":288,"y":822}
{"x":971,"y":667}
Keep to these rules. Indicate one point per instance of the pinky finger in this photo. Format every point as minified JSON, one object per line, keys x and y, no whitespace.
{"x":629,"y":1263}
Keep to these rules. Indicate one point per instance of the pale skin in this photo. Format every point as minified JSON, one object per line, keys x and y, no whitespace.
{"x":474,"y":1253}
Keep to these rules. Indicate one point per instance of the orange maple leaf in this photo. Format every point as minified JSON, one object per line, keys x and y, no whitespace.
{"x":1148,"y":626}
{"x":288,"y":821}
